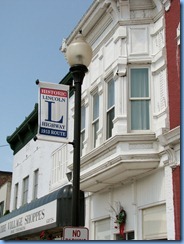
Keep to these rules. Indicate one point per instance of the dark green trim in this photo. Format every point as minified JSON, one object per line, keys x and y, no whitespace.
{"x":63,"y":214}
{"x":29,"y":127}
{"x":64,"y":192}
{"x":25,"y":132}
{"x":68,"y":80}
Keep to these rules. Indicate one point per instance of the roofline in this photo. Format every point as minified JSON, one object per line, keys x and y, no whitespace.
{"x":5,"y":172}
{"x":82,"y":21}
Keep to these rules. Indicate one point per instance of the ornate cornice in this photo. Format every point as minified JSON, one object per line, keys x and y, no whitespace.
{"x":167,"y":4}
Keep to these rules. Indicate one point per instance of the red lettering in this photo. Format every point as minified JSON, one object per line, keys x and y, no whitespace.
{"x":53,"y":92}
{"x":76,"y":233}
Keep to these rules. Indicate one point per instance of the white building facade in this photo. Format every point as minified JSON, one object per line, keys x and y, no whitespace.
{"x":127,"y":151}
{"x":126,"y":116}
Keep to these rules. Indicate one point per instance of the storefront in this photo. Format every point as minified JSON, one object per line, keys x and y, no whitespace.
{"x":43,"y":218}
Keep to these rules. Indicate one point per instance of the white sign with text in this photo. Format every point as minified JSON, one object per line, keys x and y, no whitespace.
{"x":53,"y":112}
{"x":38,"y":217}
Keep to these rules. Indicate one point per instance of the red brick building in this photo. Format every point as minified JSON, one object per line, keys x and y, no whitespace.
{"x":4,"y":177}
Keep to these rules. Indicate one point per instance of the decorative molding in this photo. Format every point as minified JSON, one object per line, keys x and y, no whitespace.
{"x":113,"y":141}
{"x":133,"y":146}
{"x":139,"y":42}
{"x":172,"y":160}
{"x":167,"y":4}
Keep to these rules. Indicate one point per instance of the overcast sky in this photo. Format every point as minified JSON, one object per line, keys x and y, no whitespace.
{"x":31,"y":33}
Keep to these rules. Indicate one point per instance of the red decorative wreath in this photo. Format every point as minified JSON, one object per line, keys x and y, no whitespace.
{"x":121,"y":220}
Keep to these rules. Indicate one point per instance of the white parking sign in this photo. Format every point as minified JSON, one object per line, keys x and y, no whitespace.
{"x":75,"y":233}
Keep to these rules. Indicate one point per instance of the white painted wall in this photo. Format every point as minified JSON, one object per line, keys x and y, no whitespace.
{"x":146,"y":192}
{"x":35,"y":155}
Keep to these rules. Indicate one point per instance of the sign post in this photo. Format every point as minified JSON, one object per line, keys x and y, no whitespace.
{"x":75,"y":233}
{"x":53,"y":112}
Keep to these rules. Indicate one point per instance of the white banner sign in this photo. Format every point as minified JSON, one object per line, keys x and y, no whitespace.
{"x":32,"y":219}
{"x":53,"y":112}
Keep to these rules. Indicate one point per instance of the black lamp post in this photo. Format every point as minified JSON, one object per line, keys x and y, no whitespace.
{"x":78,"y":54}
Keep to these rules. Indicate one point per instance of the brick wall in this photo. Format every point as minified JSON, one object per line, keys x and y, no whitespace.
{"x":173,"y":62}
{"x":4,"y":177}
{"x":176,"y":196}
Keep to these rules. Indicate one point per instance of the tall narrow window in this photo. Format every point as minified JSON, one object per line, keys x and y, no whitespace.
{"x":35,"y":184}
{"x":83,"y":118}
{"x":59,"y":165}
{"x":95,"y":122}
{"x":25,"y":190}
{"x":16,"y":195}
{"x":1,"y":208}
{"x":139,"y":99}
{"x":110,"y":108}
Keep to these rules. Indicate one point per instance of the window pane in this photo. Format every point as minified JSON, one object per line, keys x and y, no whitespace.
{"x":154,"y":223}
{"x":59,"y":165}
{"x":110,"y":94}
{"x":82,"y":141}
{"x":110,"y":117}
{"x":95,"y":129}
{"x":1,"y":208}
{"x":139,"y":83}
{"x":25,"y":190}
{"x":95,"y":106}
{"x":102,"y":230}
{"x":140,"y":115}
{"x":127,"y":236}
{"x":35,"y":193}
{"x":83,"y":115}
{"x":16,"y":195}
{"x":83,"y":118}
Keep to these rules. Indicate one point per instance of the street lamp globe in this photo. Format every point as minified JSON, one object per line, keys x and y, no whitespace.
{"x":79,"y":52}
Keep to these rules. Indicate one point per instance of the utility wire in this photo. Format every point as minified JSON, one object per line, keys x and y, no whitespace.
{"x":4,"y":145}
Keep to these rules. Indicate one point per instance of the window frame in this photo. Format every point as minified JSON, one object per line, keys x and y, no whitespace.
{"x":95,"y":120}
{"x":16,"y":191}
{"x":147,"y":98}
{"x":59,"y":165}
{"x":127,"y":236}
{"x":83,"y":128}
{"x":35,"y":184}
{"x":96,"y":226}
{"x":25,"y":190}
{"x":162,"y":219}
{"x":2,"y":205}
{"x":109,"y":110}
